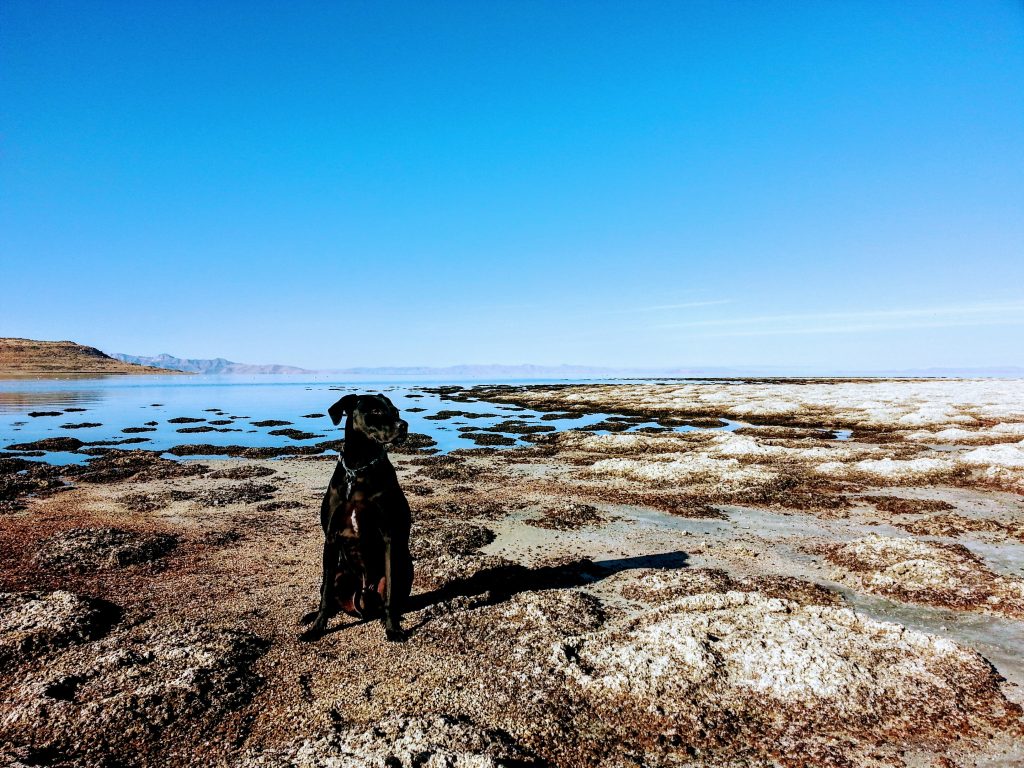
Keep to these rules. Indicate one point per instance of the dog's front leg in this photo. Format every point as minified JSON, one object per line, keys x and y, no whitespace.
{"x":397,"y":585}
{"x":330,"y":563}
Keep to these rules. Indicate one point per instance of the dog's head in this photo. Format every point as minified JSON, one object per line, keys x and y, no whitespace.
{"x":373,"y":415}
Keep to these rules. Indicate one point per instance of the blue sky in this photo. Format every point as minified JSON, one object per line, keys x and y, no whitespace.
{"x":832,"y":185}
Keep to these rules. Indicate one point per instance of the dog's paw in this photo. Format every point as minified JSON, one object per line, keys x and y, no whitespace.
{"x":398,"y":635}
{"x":316,"y":631}
{"x":309,"y":618}
{"x":312,"y":634}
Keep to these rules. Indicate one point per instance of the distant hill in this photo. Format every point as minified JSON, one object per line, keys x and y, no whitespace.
{"x":27,"y":356}
{"x":215,"y":366}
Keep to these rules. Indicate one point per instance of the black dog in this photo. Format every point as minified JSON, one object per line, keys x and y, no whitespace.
{"x":367,"y":568}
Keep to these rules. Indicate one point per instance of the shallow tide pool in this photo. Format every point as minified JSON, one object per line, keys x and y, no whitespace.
{"x":149,"y":403}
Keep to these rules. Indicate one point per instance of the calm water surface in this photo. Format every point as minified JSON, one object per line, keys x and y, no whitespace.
{"x":124,"y":402}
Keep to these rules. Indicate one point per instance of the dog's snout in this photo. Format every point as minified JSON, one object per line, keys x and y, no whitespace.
{"x":402,"y":432}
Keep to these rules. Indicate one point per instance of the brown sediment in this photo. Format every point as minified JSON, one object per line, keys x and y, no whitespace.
{"x":447,"y":467}
{"x":254,"y":452}
{"x":782,"y":433}
{"x":613,"y":636}
{"x":569,"y":517}
{"x":87,"y":549}
{"x":117,"y":465}
{"x":899,"y":505}
{"x":243,"y":493}
{"x":243,"y":472}
{"x":21,"y":480}
{"x":933,"y":573}
{"x":953,"y":526}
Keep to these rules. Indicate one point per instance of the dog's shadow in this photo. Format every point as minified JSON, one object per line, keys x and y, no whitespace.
{"x":501,"y":583}
{"x":498,"y":584}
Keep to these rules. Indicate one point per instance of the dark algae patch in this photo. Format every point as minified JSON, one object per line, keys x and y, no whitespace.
{"x":443,"y":415}
{"x":571,"y":517}
{"x":88,"y":549}
{"x":294,"y":434}
{"x":244,"y":472}
{"x":487,"y":438}
{"x":49,"y":444}
{"x":35,"y":623}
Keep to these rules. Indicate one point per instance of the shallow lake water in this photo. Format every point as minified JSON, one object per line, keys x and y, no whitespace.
{"x":117,"y":403}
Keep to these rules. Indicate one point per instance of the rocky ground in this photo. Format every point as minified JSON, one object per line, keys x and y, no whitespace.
{"x":759,"y":597}
{"x":31,"y":357}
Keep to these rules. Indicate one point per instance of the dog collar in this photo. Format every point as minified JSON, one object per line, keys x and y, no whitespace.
{"x":351,"y":472}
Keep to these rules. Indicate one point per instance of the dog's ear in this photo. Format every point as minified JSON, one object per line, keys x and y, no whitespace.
{"x":342,"y":408}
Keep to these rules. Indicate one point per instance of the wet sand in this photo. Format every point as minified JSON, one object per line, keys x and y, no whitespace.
{"x":767,"y":596}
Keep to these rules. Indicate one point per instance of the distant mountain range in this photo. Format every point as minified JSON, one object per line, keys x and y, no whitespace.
{"x":494,"y":371}
{"x":498,"y":372}
{"x":217,"y":365}
{"x":30,"y":357}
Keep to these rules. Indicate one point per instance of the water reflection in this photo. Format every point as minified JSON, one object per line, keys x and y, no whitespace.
{"x":23,"y":401}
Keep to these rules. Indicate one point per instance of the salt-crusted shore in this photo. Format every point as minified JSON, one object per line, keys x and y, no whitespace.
{"x":766,"y":596}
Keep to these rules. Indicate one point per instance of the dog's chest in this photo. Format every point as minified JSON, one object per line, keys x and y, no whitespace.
{"x":361,"y":514}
